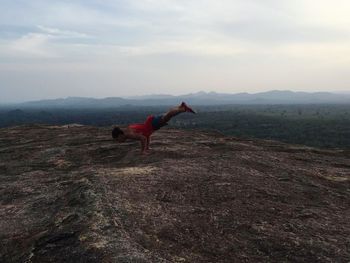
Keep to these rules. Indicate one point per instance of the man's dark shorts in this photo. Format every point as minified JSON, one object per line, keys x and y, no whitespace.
{"x":157,"y":122}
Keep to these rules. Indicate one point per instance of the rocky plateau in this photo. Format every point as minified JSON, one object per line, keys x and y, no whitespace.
{"x":72,"y":194}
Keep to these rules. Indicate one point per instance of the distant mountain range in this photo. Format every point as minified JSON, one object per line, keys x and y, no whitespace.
{"x":199,"y":98}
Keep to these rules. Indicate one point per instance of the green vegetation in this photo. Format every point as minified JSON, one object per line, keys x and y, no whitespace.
{"x":323,"y":126}
{"x":326,"y":126}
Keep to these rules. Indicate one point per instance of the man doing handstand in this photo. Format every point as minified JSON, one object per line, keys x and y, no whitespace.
{"x":143,"y":131}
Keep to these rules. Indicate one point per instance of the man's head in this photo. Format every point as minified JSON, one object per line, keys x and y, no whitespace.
{"x":118,"y":134}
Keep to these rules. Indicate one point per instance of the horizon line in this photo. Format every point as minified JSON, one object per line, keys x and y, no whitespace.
{"x":345,"y":92}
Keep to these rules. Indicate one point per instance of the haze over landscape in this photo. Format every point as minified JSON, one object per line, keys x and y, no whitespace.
{"x":174,"y":131}
{"x":53,"y":49}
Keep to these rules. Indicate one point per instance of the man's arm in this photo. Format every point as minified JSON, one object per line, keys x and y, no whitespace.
{"x":148,"y":141}
{"x":141,"y":138}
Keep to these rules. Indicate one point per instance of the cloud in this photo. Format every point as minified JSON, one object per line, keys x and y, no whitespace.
{"x":42,"y":44}
{"x":58,"y":33}
{"x":33,"y":44}
{"x":172,"y":43}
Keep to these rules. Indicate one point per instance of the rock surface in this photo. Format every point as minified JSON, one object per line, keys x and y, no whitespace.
{"x":71,"y":194}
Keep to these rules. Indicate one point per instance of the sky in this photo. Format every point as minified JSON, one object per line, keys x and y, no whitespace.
{"x":94,"y":48}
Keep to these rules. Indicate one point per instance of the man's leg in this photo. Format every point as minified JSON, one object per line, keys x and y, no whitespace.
{"x":172,"y":113}
{"x":175,"y":111}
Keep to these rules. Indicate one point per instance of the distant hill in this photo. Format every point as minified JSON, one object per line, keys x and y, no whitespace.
{"x":199,"y":98}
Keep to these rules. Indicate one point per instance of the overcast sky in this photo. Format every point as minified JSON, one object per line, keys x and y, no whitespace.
{"x":93,"y":48}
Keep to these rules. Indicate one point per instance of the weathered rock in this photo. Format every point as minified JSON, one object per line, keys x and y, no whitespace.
{"x":71,"y":194}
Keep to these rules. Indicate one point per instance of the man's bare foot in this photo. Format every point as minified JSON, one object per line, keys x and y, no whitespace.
{"x":187,"y":108}
{"x":145,"y":153}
